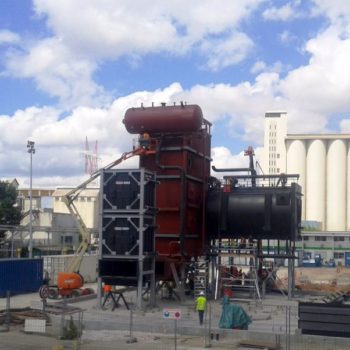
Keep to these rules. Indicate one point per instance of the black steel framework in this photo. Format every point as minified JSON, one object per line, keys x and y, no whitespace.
{"x":127,"y":246}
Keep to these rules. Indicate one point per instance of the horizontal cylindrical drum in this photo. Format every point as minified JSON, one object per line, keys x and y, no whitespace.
{"x":256,"y":213}
{"x":165,"y":119}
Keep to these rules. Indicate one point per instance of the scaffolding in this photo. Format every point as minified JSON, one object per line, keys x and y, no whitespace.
{"x":241,"y":266}
{"x":236,"y":268}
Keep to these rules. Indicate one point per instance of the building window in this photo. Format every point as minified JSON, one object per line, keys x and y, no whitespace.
{"x":278,"y":155}
{"x":339,"y":239}
{"x":306,"y":238}
{"x":278,"y":170}
{"x":338,"y":255}
{"x":66,"y":239}
{"x":320,"y":238}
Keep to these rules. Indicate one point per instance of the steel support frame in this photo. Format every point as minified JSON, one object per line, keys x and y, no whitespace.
{"x":140,"y":257}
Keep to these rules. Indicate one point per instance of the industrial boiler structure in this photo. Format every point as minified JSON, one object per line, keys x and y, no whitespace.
{"x":170,"y":212}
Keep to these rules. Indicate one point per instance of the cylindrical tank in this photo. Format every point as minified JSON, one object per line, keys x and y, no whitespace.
{"x":296,"y":164}
{"x":316,"y":181}
{"x":261,"y":212}
{"x":336,"y":186}
{"x":165,"y":119}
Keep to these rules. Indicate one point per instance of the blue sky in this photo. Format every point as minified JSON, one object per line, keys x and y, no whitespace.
{"x":70,"y":69}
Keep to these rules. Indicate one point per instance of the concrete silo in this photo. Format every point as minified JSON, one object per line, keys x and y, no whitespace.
{"x":296,"y":164}
{"x":316,"y":181}
{"x":336,"y":185}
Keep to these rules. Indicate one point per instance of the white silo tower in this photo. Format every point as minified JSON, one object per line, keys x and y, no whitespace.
{"x":316,"y":181}
{"x":296,"y":164}
{"x":336,"y":185}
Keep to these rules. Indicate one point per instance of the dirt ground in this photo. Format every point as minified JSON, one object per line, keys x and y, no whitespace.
{"x":316,"y":279}
{"x":17,"y":339}
{"x":319,"y":279}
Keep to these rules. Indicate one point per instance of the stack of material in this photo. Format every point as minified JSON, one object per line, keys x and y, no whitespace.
{"x":18,"y":316}
{"x":337,"y":297}
{"x":252,"y":344}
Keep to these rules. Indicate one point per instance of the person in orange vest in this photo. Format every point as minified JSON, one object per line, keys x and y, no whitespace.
{"x":201,"y":303}
{"x":106,"y":289}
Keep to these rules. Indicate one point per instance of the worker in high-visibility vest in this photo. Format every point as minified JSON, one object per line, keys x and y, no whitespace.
{"x":201,"y":303}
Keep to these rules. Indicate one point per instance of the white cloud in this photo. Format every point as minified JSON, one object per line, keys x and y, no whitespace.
{"x":58,"y":72}
{"x":110,"y":30}
{"x":345,"y":126}
{"x":258,"y":67}
{"x":226,"y":52}
{"x":87,"y":33}
{"x":8,"y":37}
{"x":224,"y":159}
{"x":286,"y":37}
{"x":276,"y":67}
{"x":322,"y":86}
{"x":286,"y":12}
{"x":338,"y":11}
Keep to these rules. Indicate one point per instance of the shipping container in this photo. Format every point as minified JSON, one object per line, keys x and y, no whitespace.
{"x":19,"y":276}
{"x":347,"y":259}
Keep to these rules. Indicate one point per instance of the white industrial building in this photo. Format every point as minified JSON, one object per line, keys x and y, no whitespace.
{"x":87,"y":204}
{"x":323,"y":164}
{"x":54,"y":228}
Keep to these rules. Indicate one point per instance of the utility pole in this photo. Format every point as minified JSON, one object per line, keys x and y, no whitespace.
{"x":31,"y":151}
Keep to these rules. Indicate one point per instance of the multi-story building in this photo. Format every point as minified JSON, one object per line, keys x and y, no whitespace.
{"x":54,"y":228}
{"x":87,"y":204}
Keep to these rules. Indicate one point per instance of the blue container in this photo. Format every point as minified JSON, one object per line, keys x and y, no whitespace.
{"x":20,"y":276}
{"x":347,"y":259}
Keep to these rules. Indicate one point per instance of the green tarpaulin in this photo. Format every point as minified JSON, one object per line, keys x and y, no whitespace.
{"x":233,"y":316}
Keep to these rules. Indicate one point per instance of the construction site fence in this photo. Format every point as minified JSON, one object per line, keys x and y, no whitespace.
{"x":273,"y":326}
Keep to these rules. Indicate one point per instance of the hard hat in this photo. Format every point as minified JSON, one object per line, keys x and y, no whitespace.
{"x":201,"y":293}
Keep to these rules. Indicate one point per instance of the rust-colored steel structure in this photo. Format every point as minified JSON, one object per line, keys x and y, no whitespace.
{"x":181,"y":139}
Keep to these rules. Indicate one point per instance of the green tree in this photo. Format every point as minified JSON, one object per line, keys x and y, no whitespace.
{"x":10,"y":214}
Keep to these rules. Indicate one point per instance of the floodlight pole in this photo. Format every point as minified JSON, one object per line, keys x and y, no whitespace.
{"x":31,"y":151}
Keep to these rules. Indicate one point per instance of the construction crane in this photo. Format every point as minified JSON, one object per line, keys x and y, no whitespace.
{"x":70,"y":282}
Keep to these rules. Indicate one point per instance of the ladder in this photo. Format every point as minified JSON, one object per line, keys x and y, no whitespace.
{"x":200,"y":277}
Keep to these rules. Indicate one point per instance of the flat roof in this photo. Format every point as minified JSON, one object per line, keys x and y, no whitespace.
{"x":274,"y":114}
{"x":326,"y":233}
{"x":317,"y":136}
{"x":87,"y":192}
